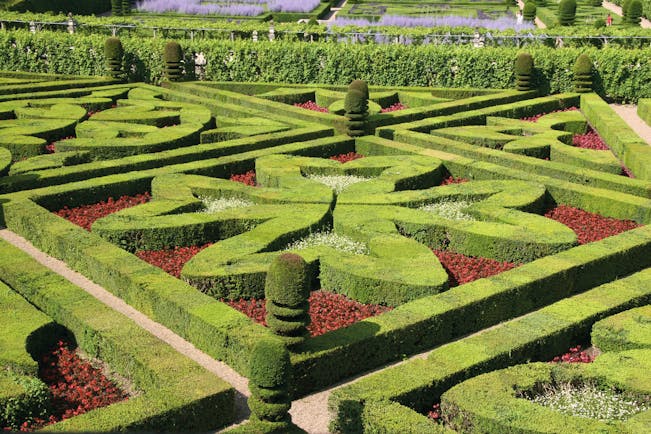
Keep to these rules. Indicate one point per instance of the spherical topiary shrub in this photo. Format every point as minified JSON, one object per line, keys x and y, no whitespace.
{"x":173,"y":55}
{"x":599,"y":23}
{"x":583,"y":74}
{"x":633,"y":14}
{"x":529,"y":11}
{"x":566,"y":12}
{"x":523,"y":71}
{"x":361,"y":86}
{"x":287,"y":289}
{"x":114,"y":53}
{"x":269,"y":376}
{"x":116,"y":7}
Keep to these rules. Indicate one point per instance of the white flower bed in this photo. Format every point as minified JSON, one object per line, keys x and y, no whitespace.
{"x":213,"y":205}
{"x":329,"y":239}
{"x":451,"y":210}
{"x":337,"y":182}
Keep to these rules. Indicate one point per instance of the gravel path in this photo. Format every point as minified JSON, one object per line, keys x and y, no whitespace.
{"x":629,"y":114}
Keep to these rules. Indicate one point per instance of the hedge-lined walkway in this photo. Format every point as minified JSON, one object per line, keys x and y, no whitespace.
{"x":629,"y":114}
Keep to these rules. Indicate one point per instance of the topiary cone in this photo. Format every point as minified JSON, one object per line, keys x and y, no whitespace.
{"x":566,"y":12}
{"x":287,"y":289}
{"x":583,"y":74}
{"x":269,"y":376}
{"x":361,"y":86}
{"x":523,"y":71}
{"x":529,"y":11}
{"x":173,"y":55}
{"x":114,"y":55}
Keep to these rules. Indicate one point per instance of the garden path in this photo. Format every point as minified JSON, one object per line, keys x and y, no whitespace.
{"x":646,"y":24}
{"x":629,"y":114}
{"x":333,"y":12}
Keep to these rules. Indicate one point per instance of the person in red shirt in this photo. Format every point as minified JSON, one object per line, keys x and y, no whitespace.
{"x":609,"y":20}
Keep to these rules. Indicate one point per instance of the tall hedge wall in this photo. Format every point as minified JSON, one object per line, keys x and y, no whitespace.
{"x":619,"y":74}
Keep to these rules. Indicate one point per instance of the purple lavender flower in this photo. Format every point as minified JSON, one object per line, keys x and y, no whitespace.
{"x":502,"y":23}
{"x":195,"y":7}
{"x":292,"y":5}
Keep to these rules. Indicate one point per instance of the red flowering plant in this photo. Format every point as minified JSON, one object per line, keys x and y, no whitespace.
{"x":394,"y":108}
{"x":76,"y":386}
{"x":588,"y":226}
{"x":171,"y":260}
{"x":86,"y":215}
{"x":247,"y":178}
{"x":345,"y":158}
{"x":328,"y":311}
{"x":535,"y":118}
{"x":575,"y":355}
{"x":311,"y":105}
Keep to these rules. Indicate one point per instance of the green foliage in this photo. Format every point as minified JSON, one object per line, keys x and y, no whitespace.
{"x":361,"y":86}
{"x":77,"y":7}
{"x":269,"y":376}
{"x":628,"y":330}
{"x":176,"y":393}
{"x":583,"y":74}
{"x":529,"y":11}
{"x":596,"y":3}
{"x":287,"y":289}
{"x":114,"y":54}
{"x":566,"y":12}
{"x":116,"y":7}
{"x":523,"y":71}
{"x":22,"y":398}
{"x":173,"y":56}
{"x":126,"y":7}
{"x":599,"y":23}
{"x":633,"y":13}
{"x":541,"y":3}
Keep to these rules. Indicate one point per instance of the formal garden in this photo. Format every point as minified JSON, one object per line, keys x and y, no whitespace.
{"x":266,"y":216}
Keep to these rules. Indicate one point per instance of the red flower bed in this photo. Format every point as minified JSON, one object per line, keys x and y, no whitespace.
{"x":394,"y":108}
{"x":311,"y":105}
{"x":328,"y":311}
{"x":627,"y":172}
{"x":463,"y":269}
{"x":538,"y":116}
{"x":247,"y":178}
{"x":86,"y":215}
{"x":590,"y":140}
{"x":170,"y":260}
{"x":588,"y":226}
{"x":574,"y":355}
{"x":345,"y":158}
{"x":76,"y":386}
{"x":435,"y":413}
{"x":452,"y":180}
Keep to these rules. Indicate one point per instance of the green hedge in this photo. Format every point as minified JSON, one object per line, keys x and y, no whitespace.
{"x":177,"y":394}
{"x":541,"y":335}
{"x":433,"y":320}
{"x":634,"y":152}
{"x":479,"y":405}
{"x":644,"y":110}
{"x":395,"y":65}
{"x":22,"y":399}
{"x":20,"y":324}
{"x":625,"y":331}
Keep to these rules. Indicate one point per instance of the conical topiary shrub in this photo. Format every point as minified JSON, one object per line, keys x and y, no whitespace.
{"x":287,"y":289}
{"x":633,"y":14}
{"x":126,"y":7}
{"x":269,"y":376}
{"x":114,"y":54}
{"x":540,"y":2}
{"x":116,"y":7}
{"x":523,"y":71}
{"x":529,"y":11}
{"x":566,"y":12}
{"x":173,"y":56}
{"x":583,"y":74}
{"x":356,"y":108}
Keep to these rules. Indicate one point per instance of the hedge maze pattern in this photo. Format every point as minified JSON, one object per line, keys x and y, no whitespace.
{"x":183,"y":142}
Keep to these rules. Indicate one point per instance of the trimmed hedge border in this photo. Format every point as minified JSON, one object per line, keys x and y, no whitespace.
{"x":634,"y":152}
{"x":540,"y":335}
{"x":644,"y":110}
{"x":625,"y":331}
{"x":177,"y":393}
